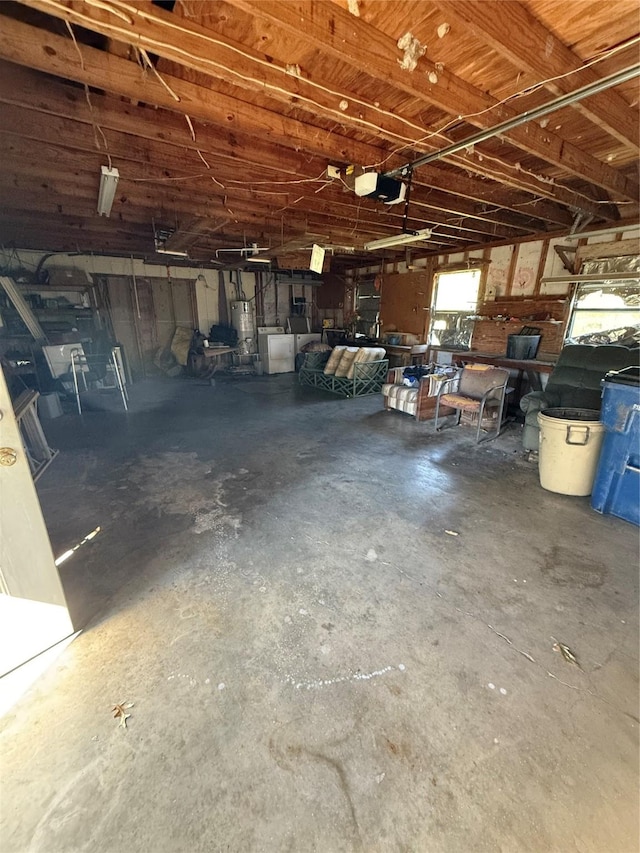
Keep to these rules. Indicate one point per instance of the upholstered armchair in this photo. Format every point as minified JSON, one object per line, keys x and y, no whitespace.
{"x":481,"y":389}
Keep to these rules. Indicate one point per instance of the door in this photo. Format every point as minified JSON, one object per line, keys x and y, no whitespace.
{"x":123,"y":320}
{"x":404,"y":303}
{"x":33,"y":609}
{"x":145,"y":314}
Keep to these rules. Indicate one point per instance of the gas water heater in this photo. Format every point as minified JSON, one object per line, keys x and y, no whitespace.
{"x":242,"y":321}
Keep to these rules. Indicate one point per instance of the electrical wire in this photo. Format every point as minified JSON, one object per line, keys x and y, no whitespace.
{"x":94,"y":124}
{"x":528,"y":90}
{"x":87,"y":20}
{"x":116,"y":9}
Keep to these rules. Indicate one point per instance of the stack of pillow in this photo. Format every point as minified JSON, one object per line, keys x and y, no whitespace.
{"x":342,"y":359}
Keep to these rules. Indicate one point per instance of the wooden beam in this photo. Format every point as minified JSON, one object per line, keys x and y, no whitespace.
{"x":528,"y":44}
{"x":62,"y":103}
{"x":77,"y":194}
{"x":612,"y":249}
{"x":206,"y":51}
{"x":333,"y":30}
{"x":56,"y":55}
{"x":136,"y":138}
{"x":493,"y":195}
{"x":512,"y":270}
{"x":129,"y":153}
{"x":541,"y":265}
{"x":64,"y":191}
{"x":47,"y":213}
{"x":53,"y":54}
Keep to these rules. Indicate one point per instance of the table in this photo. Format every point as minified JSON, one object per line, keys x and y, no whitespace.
{"x":406,"y":355}
{"x":207,"y":364}
{"x":532,"y":367}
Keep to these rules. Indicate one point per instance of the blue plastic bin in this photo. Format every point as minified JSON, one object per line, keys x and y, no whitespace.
{"x":616,"y":490}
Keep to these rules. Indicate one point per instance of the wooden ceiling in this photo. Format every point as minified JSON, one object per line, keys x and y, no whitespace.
{"x":222,"y":118}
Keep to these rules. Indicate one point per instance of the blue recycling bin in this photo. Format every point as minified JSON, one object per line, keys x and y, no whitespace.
{"x":616,"y":490}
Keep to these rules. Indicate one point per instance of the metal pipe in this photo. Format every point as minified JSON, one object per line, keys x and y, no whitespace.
{"x":589,"y":277}
{"x":617,"y":229}
{"x":563,"y":101}
{"x":119,"y":382}
{"x":135,"y":287}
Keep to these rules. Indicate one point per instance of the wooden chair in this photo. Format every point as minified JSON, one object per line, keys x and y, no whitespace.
{"x":481,"y":388}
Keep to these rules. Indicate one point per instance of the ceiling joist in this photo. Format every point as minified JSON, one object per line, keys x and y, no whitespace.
{"x":222,"y":118}
{"x":529,"y":45}
{"x":154,"y":30}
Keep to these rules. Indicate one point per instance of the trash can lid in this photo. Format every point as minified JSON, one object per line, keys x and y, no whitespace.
{"x":569,"y":414}
{"x":626,"y":376}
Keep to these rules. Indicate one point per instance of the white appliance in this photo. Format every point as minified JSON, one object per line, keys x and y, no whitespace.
{"x":301,"y":340}
{"x":242,"y":322}
{"x":276,"y":350}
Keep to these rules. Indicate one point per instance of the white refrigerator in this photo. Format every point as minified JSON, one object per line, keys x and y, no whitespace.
{"x":277,"y":352}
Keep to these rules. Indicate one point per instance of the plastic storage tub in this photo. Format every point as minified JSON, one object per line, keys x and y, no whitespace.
{"x":570,"y":442}
{"x":522,"y":347}
{"x":616,"y":490}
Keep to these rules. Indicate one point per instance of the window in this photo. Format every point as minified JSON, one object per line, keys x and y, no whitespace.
{"x":368,"y":308}
{"x":454,"y":302}
{"x":606,"y":313}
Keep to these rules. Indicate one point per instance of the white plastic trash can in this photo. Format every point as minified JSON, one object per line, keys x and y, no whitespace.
{"x":570,"y":442}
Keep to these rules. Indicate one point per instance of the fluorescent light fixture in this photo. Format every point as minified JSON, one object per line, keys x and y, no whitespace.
{"x":175,"y":253}
{"x":108,"y":184}
{"x":398,"y":240}
{"x":259,"y":260}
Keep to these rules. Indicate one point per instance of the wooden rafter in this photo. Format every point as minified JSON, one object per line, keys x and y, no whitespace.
{"x":160,"y":166}
{"x":529,"y":45}
{"x":67,"y":112}
{"x":330,"y":28}
{"x":207,"y":52}
{"x":219,"y":144}
{"x":45,"y":51}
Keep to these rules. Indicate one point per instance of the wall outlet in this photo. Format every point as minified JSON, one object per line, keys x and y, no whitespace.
{"x":333,"y":172}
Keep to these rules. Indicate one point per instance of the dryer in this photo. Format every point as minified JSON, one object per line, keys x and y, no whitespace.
{"x":276,"y":350}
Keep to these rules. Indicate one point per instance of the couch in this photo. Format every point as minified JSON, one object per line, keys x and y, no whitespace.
{"x":346,"y":371}
{"x":574,"y":383}
{"x":417,"y":400}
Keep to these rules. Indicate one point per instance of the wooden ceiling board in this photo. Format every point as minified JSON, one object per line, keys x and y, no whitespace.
{"x":73,"y":194}
{"x":259,"y":143}
{"x":529,"y":45}
{"x":473,"y":99}
{"x":458,"y":50}
{"x":130,"y":148}
{"x":588,"y":26}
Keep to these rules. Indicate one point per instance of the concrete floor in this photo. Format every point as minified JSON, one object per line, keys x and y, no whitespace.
{"x":316,"y":663}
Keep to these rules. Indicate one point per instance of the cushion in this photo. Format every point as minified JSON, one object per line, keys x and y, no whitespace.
{"x":365,"y":355}
{"x":457,"y":401}
{"x":315,"y":346}
{"x":346,"y":361}
{"x":334,"y":360}
{"x":474,"y":383}
{"x":402,"y":393}
{"x":580,"y":369}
